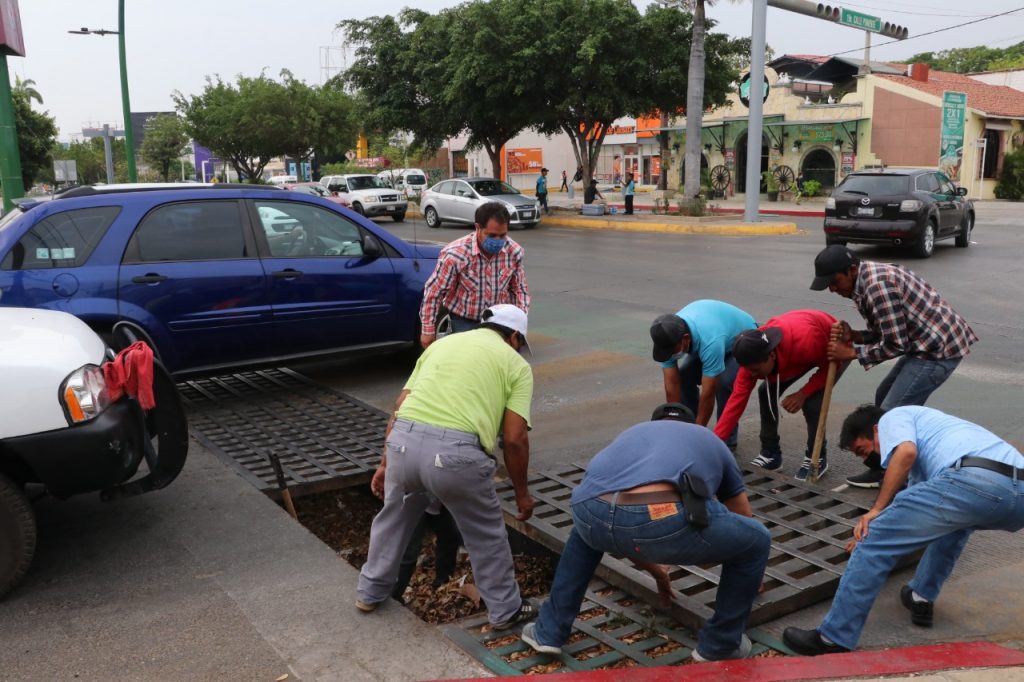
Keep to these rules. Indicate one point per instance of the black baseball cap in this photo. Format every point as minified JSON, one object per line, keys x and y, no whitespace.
{"x":666,"y":333}
{"x":832,"y":260}
{"x":676,"y":411}
{"x":753,"y":345}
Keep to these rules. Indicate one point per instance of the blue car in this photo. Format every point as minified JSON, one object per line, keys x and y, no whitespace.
{"x":216,"y":277}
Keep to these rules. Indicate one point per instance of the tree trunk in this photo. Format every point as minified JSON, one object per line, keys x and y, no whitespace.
{"x":494,"y":152}
{"x":695,"y":104}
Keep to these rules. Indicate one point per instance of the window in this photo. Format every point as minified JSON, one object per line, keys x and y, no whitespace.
{"x":872,"y":184}
{"x":294,"y":229}
{"x":445,"y":187}
{"x":194,"y":230}
{"x":928,"y":183}
{"x":461,"y":189}
{"x":945,"y":186}
{"x":63,"y":240}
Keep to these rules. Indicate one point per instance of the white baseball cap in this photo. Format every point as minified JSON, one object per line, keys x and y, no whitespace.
{"x":510,"y":317}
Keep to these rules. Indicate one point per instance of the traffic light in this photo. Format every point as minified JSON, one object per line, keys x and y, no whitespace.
{"x":828,"y":12}
{"x":895,"y":31}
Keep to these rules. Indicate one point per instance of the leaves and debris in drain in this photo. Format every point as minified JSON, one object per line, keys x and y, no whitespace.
{"x":341,"y":519}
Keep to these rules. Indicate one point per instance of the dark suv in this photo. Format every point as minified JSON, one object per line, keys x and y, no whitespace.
{"x":899,"y":206}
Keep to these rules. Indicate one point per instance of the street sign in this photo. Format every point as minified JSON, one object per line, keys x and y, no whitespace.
{"x":65,"y":170}
{"x":350,"y":155}
{"x":857,"y":20}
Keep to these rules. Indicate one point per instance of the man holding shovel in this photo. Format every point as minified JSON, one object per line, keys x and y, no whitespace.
{"x":784,"y":349}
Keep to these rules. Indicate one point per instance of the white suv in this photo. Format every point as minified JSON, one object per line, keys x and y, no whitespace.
{"x":368,"y":195}
{"x":61,"y":431}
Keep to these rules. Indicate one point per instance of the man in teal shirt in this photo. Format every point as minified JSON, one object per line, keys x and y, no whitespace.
{"x":542,"y":190}
{"x":694,"y":347}
{"x":628,"y":191}
{"x":464,"y":389}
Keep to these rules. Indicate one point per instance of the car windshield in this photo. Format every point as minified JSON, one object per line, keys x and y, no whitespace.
{"x":415,"y":180}
{"x":875,"y":184}
{"x":490,"y":188}
{"x":364,"y":182}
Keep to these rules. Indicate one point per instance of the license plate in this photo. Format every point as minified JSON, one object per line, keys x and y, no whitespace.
{"x":391,"y":208}
{"x":868,"y":211}
{"x":527,"y":214}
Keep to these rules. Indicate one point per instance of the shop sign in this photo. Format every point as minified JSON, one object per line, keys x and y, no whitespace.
{"x":951,"y":144}
{"x":524,"y":160}
{"x":744,"y":90}
{"x":730,"y":158}
{"x":846,"y":165}
{"x":814,"y":134}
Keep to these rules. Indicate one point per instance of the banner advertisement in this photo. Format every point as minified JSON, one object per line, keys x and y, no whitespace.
{"x":730,"y":158}
{"x":846,"y":166}
{"x":814,"y":134}
{"x":951,"y":144}
{"x":524,"y":160}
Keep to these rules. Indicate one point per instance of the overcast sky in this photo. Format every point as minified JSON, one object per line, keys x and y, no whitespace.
{"x":175,"y":45}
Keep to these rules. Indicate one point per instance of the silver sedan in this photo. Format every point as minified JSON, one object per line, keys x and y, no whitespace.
{"x":456,"y":201}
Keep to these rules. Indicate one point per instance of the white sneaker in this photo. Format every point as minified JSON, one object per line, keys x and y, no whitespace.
{"x":529,"y":635}
{"x":742,"y":651}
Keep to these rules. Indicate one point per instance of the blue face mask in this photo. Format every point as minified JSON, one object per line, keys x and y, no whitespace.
{"x":493,"y":245}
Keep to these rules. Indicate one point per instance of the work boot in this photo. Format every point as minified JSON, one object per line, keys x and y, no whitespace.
{"x":805,"y":468}
{"x":922,"y":613}
{"x":872,"y":478}
{"x":768,"y":459}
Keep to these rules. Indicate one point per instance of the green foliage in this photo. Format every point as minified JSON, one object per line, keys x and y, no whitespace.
{"x":811,"y":188}
{"x":771,"y":182}
{"x":972,"y":59}
{"x":1010,"y":184}
{"x":165,"y":142}
{"x":251,"y":122}
{"x":37,"y":133}
{"x":340,"y":169}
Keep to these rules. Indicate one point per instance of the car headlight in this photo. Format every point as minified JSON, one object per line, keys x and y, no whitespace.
{"x":370,"y":199}
{"x":84,"y":395}
{"x":910,"y":206}
{"x":830,"y":203}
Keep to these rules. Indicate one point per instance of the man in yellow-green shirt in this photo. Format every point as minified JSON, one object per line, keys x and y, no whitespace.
{"x":465,"y":389}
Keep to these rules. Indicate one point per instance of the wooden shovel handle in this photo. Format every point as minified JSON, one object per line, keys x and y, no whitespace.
{"x":819,"y":437}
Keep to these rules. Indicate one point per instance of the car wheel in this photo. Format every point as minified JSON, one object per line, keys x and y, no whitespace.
{"x":830,"y":241}
{"x":430,"y":215}
{"x":926,"y":245}
{"x":17,"y":534}
{"x":358,"y":208}
{"x":398,"y":217}
{"x":963,"y":240}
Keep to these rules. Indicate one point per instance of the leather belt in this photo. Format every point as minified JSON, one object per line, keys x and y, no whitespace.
{"x":651,"y":497}
{"x":992,"y":465}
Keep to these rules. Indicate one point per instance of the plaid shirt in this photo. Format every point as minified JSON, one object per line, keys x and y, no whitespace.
{"x":906,"y":316}
{"x":466,"y":281}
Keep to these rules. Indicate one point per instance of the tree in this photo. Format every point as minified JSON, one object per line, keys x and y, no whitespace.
{"x":972,"y":59}
{"x":327,"y":119}
{"x":165,"y":142}
{"x":37,"y":132}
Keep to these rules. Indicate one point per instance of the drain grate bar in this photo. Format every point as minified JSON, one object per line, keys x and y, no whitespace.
{"x":614,"y":629}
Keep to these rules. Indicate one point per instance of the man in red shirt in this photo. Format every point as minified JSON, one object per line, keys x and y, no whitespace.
{"x":780,"y":352}
{"x":473,"y":273}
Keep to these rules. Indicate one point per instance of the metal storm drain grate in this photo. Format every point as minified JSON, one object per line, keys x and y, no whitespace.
{"x":614,"y":629}
{"x":324,"y":439}
{"x":809,"y":527}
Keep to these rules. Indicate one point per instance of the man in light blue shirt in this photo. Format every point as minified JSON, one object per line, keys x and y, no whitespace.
{"x":962,"y":478}
{"x":694,"y":347}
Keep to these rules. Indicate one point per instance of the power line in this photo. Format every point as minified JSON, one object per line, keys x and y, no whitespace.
{"x":928,"y":33}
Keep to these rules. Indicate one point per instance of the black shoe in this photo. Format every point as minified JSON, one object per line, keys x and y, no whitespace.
{"x":809,"y":643}
{"x":922,"y":613}
{"x":526,"y":613}
{"x":872,"y":478}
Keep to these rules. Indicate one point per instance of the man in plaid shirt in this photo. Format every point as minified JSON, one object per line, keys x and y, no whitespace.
{"x":473,"y":273}
{"x":906,"y":319}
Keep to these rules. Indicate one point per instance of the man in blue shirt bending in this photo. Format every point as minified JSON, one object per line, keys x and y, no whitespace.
{"x":962,"y":478}
{"x":664,"y":492}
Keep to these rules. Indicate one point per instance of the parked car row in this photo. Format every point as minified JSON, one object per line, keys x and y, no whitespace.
{"x":367,"y":195}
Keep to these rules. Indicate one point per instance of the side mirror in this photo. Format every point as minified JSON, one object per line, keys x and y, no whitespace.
{"x":372,"y":247}
{"x":961,"y":191}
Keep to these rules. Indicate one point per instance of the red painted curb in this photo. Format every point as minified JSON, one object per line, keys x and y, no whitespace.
{"x":831,"y":667}
{"x":730,"y":211}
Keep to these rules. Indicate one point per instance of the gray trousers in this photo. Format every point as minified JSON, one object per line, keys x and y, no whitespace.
{"x":425,"y":462}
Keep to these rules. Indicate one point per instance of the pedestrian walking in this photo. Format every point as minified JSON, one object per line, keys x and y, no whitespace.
{"x":542,"y":191}
{"x":439,"y":444}
{"x":780,"y":352}
{"x":565,"y":182}
{"x":962,"y":478}
{"x":473,"y":273}
{"x":628,"y":191}
{"x":906,"y":319}
{"x":663,"y":492}
{"x":694,"y":347}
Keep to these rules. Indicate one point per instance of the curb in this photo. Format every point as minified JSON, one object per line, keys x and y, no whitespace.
{"x":746,"y":229}
{"x":781,"y":211}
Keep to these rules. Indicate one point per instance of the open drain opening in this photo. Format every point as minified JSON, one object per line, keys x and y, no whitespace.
{"x":342,"y":518}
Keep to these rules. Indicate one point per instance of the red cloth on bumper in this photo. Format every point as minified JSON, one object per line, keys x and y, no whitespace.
{"x":131,"y":372}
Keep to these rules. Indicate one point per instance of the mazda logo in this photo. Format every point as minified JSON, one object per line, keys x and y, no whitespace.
{"x":865,"y":201}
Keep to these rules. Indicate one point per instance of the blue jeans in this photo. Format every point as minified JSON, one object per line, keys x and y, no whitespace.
{"x":739,"y":543}
{"x":940,"y":514}
{"x":912,"y":380}
{"x":691,"y":372}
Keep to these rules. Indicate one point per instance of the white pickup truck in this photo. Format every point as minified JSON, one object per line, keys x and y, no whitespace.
{"x":368,"y":195}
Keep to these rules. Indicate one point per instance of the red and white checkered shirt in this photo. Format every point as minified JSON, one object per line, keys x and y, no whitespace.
{"x":906,"y":316}
{"x":466,"y":281}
